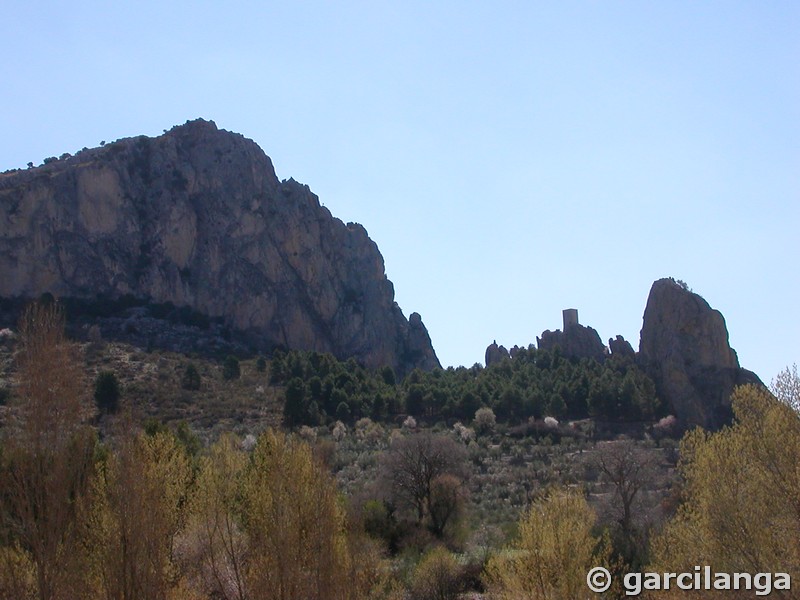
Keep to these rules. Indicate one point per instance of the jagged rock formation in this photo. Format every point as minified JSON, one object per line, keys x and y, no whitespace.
{"x":576,"y":341}
{"x":495,"y":353}
{"x":197,"y":217}
{"x":684,"y":348}
{"x":619,"y":346}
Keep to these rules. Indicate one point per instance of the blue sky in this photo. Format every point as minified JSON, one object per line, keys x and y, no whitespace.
{"x":510,"y":160}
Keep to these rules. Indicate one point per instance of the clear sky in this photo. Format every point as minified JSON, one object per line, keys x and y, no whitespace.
{"x":510,"y":159}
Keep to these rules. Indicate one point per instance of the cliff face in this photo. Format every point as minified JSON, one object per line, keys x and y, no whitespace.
{"x":197,"y":217}
{"x":684,"y":348}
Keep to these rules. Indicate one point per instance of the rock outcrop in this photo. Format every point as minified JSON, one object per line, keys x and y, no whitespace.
{"x":495,"y":354}
{"x":198,"y":218}
{"x":619,"y":346}
{"x":576,"y":341}
{"x":684,"y":348}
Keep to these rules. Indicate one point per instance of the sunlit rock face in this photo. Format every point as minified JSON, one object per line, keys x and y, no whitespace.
{"x":197,"y":217}
{"x":684,"y":348}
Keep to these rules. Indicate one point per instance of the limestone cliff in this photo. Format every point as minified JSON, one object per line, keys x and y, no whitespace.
{"x":197,"y":217}
{"x":684,"y":348}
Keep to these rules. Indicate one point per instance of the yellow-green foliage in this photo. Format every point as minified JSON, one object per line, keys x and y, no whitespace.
{"x":17,"y":574}
{"x":437,"y":577}
{"x":554,"y":552}
{"x":294,"y":523}
{"x":220,"y":547}
{"x":269,"y":525}
{"x":742,"y":494}
{"x":139,"y":507}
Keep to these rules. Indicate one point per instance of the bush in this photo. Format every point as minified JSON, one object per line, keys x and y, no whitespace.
{"x":484,"y":420}
{"x":339,"y":431}
{"x":555,"y":549}
{"x":261,"y":364}
{"x":388,"y":376}
{"x":295,"y":406}
{"x":437,"y":577}
{"x":343,"y":412}
{"x":230,"y":368}
{"x":106,"y":392}
{"x":191,"y":378}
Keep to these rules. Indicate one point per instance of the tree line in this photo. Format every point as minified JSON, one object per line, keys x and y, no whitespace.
{"x":320,"y":389}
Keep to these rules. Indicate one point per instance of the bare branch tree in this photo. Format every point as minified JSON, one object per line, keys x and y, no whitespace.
{"x":412,"y":467}
{"x":631,"y":470}
{"x":49,"y":453}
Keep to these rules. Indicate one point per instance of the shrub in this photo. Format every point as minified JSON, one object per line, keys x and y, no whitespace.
{"x":191,"y":378}
{"x":295,"y":407}
{"x":248,"y":442}
{"x":230,"y":368}
{"x":261,"y":364}
{"x":555,"y":550}
{"x":106,"y":392}
{"x":465,"y":434}
{"x":388,"y":376}
{"x":437,"y":577}
{"x":307,"y":434}
{"x":485,"y":420}
{"x":343,"y":411}
{"x":339,"y":431}
{"x":666,"y":427}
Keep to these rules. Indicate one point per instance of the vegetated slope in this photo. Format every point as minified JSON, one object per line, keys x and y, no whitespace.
{"x":198,"y":218}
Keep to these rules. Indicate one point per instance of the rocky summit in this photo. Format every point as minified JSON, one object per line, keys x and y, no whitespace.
{"x":684,"y":347}
{"x":576,"y":341}
{"x":197,"y":218}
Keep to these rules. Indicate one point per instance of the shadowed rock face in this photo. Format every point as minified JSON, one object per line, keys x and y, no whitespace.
{"x":619,"y":346}
{"x":576,"y":341}
{"x":494,"y":354}
{"x":684,"y":348}
{"x":197,"y":217}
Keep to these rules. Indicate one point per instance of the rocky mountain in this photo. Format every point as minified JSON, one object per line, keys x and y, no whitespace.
{"x":684,"y":347}
{"x":197,"y":218}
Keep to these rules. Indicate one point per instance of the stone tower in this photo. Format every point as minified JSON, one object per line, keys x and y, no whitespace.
{"x":570,"y":317}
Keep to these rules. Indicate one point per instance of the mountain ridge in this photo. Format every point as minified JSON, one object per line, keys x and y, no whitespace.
{"x":197,"y":217}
